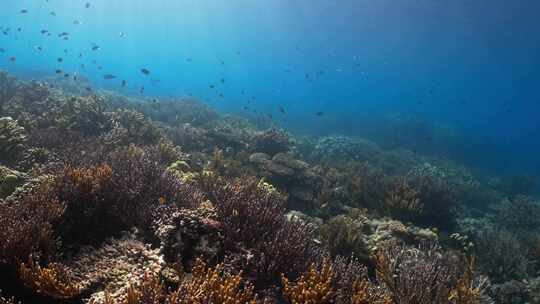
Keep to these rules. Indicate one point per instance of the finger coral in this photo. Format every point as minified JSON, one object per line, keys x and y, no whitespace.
{"x":51,"y":281}
{"x":313,"y":287}
{"x":211,"y":285}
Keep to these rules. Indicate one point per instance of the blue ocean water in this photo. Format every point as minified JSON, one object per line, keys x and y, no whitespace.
{"x":462,"y":75}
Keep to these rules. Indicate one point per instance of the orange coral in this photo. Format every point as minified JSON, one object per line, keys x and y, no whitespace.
{"x":211,"y":285}
{"x":314,"y":287}
{"x":51,"y":281}
{"x":89,"y":180}
{"x":152,"y":290}
{"x":468,"y":290}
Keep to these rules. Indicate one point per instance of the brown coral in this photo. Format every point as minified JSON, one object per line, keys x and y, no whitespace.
{"x":26,"y":224}
{"x":52,"y":281}
{"x":313,"y":287}
{"x":402,"y":201}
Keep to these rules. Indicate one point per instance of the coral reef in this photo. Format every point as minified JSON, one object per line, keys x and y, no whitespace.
{"x":113,"y":199}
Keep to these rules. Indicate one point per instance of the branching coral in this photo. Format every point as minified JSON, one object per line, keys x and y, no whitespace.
{"x":402,"y":201}
{"x":271,"y":142}
{"x":503,"y":256}
{"x":414,"y":275}
{"x":150,"y":291}
{"x":438,"y":197}
{"x":342,"y":235}
{"x":366,"y":292}
{"x":120,"y":193}
{"x":348,"y":273}
{"x":138,"y":129}
{"x":249,"y":213}
{"x":84,"y":191}
{"x":520,"y":214}
{"x":26,"y":224}
{"x":313,"y":287}
{"x":12,"y":138}
{"x":51,"y":281}
{"x":470,"y":289}
{"x":212,"y":285}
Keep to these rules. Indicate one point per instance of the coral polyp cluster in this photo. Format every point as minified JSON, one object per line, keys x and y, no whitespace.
{"x":105,"y":199}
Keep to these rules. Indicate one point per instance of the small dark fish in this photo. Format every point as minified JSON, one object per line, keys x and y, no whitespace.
{"x":109,"y":76}
{"x":66,"y":75}
{"x":65,"y":51}
{"x":80,"y":55}
{"x":89,"y":89}
{"x":23,"y":11}
{"x":58,"y":71}
{"x":87,"y":5}
{"x":222,"y":80}
{"x":66,"y":38}
{"x":39,"y":48}
{"x":221,"y":95}
{"x":95,"y":48}
{"x":44,"y":31}
{"x":59,"y":59}
{"x":189,"y":60}
{"x":124,"y":83}
{"x":282,"y":110}
{"x":63,"y":34}
{"x":77,"y":22}
{"x":211,"y":86}
{"x":100,"y":68}
{"x":269,"y":116}
{"x":13,"y":59}
{"x":141,"y":90}
{"x":75,"y":77}
{"x":19,"y":29}
{"x":145,"y":71}
{"x":319,"y":113}
{"x":52,"y":13}
{"x":2,"y":50}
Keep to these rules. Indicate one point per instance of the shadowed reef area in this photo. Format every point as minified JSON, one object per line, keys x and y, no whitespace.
{"x":106,"y":198}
